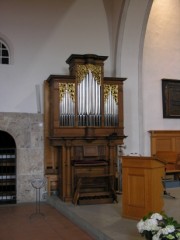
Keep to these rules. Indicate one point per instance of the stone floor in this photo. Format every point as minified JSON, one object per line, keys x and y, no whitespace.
{"x":84,"y":222}
{"x":104,"y":221}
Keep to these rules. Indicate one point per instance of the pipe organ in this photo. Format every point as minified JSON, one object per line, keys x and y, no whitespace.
{"x":83,"y":126}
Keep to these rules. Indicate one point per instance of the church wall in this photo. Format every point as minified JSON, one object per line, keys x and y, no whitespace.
{"x":161,"y":59}
{"x":42,"y":35}
{"x":27,"y":131}
{"x":129,"y":62}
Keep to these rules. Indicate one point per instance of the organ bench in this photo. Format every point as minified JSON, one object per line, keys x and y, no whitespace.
{"x":93,"y":183}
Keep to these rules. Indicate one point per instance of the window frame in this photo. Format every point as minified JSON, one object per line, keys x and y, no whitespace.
{"x":4,"y":57}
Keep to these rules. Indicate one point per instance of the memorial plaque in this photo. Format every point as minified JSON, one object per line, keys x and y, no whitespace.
{"x":171,"y":98}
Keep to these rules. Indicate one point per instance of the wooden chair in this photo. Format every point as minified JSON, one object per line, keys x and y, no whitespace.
{"x":172,"y":167}
{"x":178,"y":162}
{"x":172,"y":163}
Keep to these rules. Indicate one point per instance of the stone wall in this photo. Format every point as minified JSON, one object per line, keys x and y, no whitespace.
{"x":27,"y":131}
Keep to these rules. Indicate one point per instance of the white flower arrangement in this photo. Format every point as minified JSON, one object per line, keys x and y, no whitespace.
{"x":157,"y":226}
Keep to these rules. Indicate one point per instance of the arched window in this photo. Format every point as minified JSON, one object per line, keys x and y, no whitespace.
{"x":4,"y":53}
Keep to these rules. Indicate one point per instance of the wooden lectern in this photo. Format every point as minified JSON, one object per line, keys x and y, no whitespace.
{"x":141,"y":186}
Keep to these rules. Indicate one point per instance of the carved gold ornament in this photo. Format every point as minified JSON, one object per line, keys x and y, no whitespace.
{"x":67,"y":87}
{"x":83,"y":70}
{"x":114,"y":91}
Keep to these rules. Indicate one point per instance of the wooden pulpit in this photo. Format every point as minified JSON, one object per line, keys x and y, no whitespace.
{"x":142,"y":188}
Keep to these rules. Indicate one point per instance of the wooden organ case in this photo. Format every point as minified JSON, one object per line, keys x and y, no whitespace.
{"x":83,"y":126}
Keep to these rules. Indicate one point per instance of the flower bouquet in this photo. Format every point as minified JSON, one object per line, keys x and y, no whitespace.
{"x":157,"y":226}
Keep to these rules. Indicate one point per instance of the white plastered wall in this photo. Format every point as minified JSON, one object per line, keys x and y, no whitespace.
{"x":41,"y":44}
{"x":43,"y":35}
{"x":161,"y":59}
{"x":129,"y":62}
{"x":148,"y":51}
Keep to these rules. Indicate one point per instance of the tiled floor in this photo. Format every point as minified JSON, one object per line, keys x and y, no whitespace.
{"x":18,"y":222}
{"x":103,"y":222}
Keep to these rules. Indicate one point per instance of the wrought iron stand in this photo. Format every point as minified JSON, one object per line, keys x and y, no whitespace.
{"x":38,"y":183}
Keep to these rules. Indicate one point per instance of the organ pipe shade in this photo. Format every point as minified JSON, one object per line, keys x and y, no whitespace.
{"x":83,"y":70}
{"x":110,"y":105}
{"x":67,"y":104}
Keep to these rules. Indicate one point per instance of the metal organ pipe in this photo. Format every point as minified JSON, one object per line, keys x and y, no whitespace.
{"x":111,"y":111}
{"x":67,"y":110}
{"x":89,"y":101}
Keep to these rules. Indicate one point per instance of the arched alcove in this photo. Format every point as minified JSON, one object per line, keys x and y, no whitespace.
{"x":7,"y":168}
{"x":6,"y":140}
{"x":24,"y":132}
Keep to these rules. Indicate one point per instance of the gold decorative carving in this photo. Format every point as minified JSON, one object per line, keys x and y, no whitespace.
{"x":83,"y":70}
{"x":70,"y":87}
{"x":114,"y":91}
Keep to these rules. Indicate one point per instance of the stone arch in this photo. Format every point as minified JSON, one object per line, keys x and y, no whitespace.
{"x":27,"y":131}
{"x":7,"y":168}
{"x":129,"y":64}
{"x":6,"y":140}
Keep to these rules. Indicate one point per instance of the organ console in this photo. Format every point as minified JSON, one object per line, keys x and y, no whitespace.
{"x":83,"y":121}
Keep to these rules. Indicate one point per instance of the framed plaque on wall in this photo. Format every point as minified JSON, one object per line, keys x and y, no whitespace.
{"x":171,"y":98}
